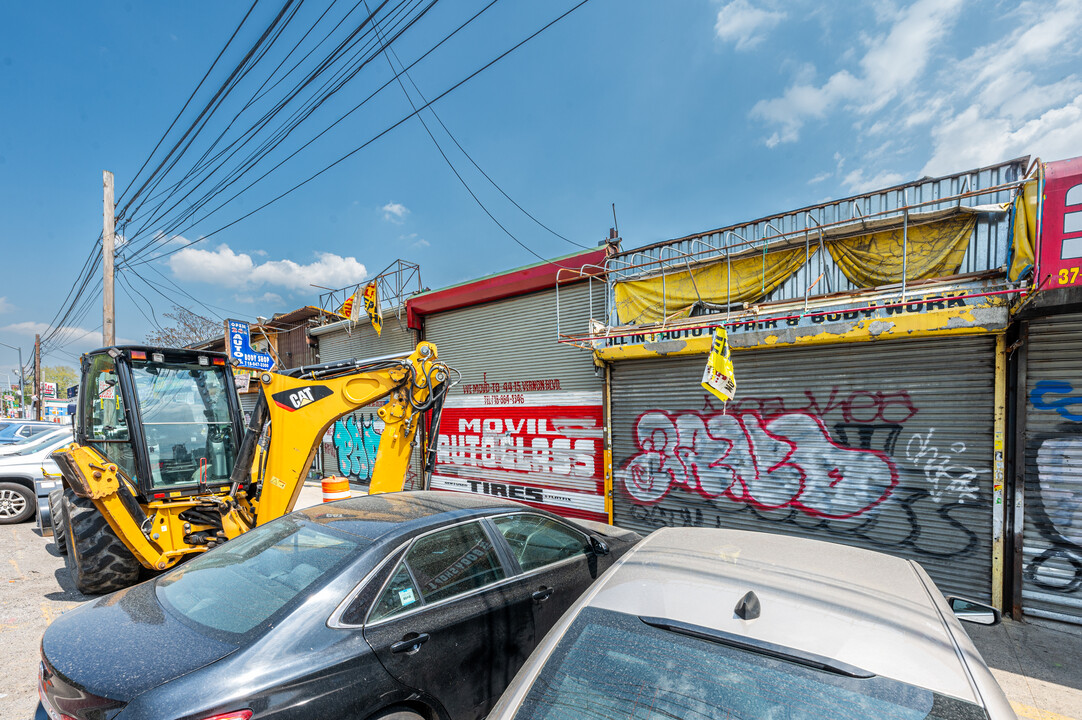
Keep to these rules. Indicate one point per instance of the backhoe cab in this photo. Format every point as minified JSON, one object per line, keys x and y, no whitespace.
{"x":164,"y":464}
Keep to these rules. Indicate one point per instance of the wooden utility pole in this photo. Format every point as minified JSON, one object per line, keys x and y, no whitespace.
{"x":37,"y":377}
{"x":108,"y":324}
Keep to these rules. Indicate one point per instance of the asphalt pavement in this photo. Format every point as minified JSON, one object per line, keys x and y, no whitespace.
{"x":1039,"y":665}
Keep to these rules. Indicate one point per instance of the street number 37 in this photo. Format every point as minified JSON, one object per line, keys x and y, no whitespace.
{"x":1067,"y":276}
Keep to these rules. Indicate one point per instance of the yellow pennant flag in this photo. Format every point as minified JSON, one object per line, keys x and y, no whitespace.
{"x":371,"y":306}
{"x":347,"y":307}
{"x":719,"y":378}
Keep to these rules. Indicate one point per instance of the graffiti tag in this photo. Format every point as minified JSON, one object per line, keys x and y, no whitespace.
{"x":788,"y":460}
{"x":356,"y":444}
{"x":1043,"y":397}
{"x":942,"y":474}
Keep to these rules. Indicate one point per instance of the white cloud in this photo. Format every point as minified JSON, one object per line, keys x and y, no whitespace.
{"x":821,"y":177}
{"x":267,"y":298}
{"x":856,"y":182}
{"x":395,"y":212}
{"x":892,"y":63}
{"x":1008,"y":111}
{"x":743,"y":24}
{"x":974,"y":138}
{"x":226,"y":268}
{"x":414,"y":241}
{"x":74,"y":339}
{"x":5,"y":306}
{"x":27,"y":327}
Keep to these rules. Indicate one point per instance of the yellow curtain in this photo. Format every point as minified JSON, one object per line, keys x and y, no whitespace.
{"x":933,"y":250}
{"x":1025,"y":232}
{"x":651,"y":300}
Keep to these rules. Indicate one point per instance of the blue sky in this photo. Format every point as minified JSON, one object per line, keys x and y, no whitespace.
{"x":688,"y":115}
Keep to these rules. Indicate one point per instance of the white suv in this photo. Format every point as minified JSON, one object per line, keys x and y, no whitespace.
{"x":18,"y":471}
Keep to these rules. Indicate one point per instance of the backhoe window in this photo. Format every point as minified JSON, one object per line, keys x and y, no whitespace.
{"x":186,"y":421}
{"x":105,"y":423}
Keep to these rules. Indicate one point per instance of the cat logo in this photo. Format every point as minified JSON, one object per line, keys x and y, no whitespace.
{"x":300,"y":397}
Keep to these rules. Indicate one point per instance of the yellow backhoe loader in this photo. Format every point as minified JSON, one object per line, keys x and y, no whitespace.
{"x":164,"y":464}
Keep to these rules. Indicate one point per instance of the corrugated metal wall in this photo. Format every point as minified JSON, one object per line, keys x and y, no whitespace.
{"x":293,"y":347}
{"x":1052,"y":540}
{"x":525,"y":421}
{"x":349,"y":449}
{"x":515,"y":340}
{"x":884,"y":445}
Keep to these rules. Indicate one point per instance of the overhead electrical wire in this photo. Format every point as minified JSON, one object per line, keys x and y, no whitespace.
{"x":367,"y":142}
{"x":157,"y":195}
{"x":388,"y":53}
{"x":283,"y":131}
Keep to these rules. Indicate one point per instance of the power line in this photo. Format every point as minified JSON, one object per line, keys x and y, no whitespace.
{"x":366,"y":143}
{"x":469,"y":157}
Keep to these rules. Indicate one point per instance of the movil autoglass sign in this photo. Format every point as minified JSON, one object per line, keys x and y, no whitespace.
{"x":1061,"y":225}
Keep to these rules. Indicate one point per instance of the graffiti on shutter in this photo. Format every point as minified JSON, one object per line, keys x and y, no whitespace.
{"x":1054,"y":502}
{"x":830,"y":462}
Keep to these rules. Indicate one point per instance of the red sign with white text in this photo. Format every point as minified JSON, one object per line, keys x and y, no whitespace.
{"x":1061,"y":225}
{"x":542,"y":449}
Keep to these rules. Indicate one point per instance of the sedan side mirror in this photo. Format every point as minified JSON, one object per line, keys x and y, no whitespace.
{"x":599,"y":546}
{"x":973,"y":611}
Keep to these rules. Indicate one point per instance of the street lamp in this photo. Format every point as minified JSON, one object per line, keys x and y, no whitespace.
{"x":22,"y":380}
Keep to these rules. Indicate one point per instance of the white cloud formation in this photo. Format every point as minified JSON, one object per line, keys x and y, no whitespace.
{"x":858,"y":183}
{"x":222,"y":266}
{"x":395,"y":212}
{"x":267,"y":298}
{"x":743,"y":24}
{"x":415,"y":241}
{"x":5,"y":306}
{"x":919,"y":97}
{"x":75,"y":339}
{"x":891,"y":64}
{"x":1006,"y":111}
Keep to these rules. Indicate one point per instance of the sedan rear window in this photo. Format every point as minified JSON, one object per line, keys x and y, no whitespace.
{"x":244,"y":584}
{"x":613,"y":665}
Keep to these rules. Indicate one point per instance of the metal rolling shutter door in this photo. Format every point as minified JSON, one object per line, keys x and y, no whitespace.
{"x":516,"y":339}
{"x":884,"y":445}
{"x":1052,"y":535}
{"x":526,"y":417}
{"x":354,"y":437}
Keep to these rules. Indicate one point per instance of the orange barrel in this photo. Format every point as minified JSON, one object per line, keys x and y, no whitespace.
{"x":335,"y":488}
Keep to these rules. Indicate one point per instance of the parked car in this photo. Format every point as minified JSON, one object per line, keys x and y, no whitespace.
{"x":405,"y":605}
{"x":23,"y":430}
{"x":19,"y":470}
{"x":37,"y":441}
{"x":704,"y":623}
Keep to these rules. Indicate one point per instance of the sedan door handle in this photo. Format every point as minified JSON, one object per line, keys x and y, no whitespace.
{"x":542,"y":594}
{"x":410,"y":644}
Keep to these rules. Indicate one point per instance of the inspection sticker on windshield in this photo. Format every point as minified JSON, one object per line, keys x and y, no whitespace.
{"x":406,"y":597}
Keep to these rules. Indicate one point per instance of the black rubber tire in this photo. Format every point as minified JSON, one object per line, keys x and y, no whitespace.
{"x":56,"y":518}
{"x":17,"y":503}
{"x":97,"y":560}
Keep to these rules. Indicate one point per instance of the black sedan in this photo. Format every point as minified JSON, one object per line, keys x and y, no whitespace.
{"x":407,"y":605}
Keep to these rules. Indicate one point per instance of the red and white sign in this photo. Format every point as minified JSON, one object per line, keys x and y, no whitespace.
{"x":544,"y":449}
{"x":48,"y":389}
{"x":1061,"y":225}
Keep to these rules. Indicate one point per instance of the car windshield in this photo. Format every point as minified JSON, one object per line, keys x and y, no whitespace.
{"x":613,"y":665}
{"x":40,"y":442}
{"x":8,"y":432}
{"x":245,"y":583}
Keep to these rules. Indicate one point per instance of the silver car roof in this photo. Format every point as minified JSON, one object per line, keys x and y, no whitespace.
{"x":863,"y":608}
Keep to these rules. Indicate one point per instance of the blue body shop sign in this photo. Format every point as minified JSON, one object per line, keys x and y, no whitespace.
{"x":240,"y":348}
